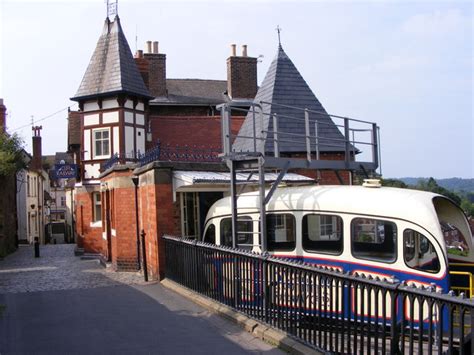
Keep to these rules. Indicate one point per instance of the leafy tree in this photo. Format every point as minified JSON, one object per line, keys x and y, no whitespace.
{"x":11,"y":159}
{"x":432,"y":186}
{"x":394,"y":183}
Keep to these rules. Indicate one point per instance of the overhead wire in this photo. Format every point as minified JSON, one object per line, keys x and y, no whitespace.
{"x":41,"y":119}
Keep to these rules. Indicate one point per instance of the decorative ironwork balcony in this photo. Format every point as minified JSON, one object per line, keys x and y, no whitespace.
{"x":199,"y":154}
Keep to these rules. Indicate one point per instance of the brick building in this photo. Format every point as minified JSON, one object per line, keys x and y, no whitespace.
{"x":129,"y":107}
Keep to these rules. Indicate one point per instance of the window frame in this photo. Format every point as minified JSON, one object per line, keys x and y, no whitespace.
{"x":307,"y":247}
{"x":94,"y":140}
{"x":96,"y":203}
{"x":430,"y":245}
{"x":286,"y":246}
{"x":358,"y":255}
{"x":241,"y":219}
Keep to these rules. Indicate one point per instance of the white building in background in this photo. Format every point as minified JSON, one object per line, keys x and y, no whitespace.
{"x":31,"y":195}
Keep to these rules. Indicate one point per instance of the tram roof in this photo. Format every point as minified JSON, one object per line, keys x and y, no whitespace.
{"x":407,"y":204}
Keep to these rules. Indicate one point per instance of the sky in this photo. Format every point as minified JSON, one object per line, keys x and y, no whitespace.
{"x":408,"y":66}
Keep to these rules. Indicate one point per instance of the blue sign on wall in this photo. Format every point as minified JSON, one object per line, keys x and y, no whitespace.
{"x":65,"y":171}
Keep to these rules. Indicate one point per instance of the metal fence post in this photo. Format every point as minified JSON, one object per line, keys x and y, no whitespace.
{"x":145,"y":266}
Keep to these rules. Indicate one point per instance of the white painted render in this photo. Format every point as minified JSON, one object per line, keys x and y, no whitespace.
{"x":91,"y":170}
{"x":87,"y":144}
{"x":92,"y":119}
{"x":129,"y":146}
{"x":109,"y":104}
{"x":129,"y":104}
{"x":91,"y":106}
{"x":128,"y":117}
{"x":140,"y":140}
{"x":110,"y":117}
{"x":116,"y":147}
{"x":140,"y":119}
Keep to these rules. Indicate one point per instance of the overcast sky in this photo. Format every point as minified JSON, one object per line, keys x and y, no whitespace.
{"x":406,"y":65}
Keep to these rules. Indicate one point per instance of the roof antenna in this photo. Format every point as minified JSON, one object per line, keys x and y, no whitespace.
{"x":278,"y":29}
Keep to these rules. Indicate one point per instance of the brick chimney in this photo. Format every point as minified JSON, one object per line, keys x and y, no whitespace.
{"x":3,"y":117}
{"x":241,"y":75}
{"x":152,"y":67}
{"x":37,"y":154}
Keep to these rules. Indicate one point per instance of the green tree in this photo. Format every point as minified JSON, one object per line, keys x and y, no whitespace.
{"x":11,"y":159}
{"x":432,"y":186}
{"x":394,"y":183}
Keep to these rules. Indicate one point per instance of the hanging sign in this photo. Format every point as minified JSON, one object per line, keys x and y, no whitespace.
{"x":65,"y":171}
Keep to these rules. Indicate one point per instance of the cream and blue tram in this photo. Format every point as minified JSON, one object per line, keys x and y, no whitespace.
{"x":413,"y":236}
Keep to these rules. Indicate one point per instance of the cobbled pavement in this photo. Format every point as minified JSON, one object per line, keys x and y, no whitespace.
{"x":57,"y":269}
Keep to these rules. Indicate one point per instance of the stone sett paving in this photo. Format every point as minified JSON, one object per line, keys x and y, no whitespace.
{"x":57,"y":269}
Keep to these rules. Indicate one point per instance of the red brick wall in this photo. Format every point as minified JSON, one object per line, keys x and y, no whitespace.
{"x":122,"y":220}
{"x":242,"y":77}
{"x":89,"y":238}
{"x":157,"y":217}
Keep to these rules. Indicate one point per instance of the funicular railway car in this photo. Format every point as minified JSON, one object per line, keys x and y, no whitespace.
{"x":378,"y":232}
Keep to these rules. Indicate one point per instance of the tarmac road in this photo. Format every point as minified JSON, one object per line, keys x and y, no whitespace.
{"x":60,"y":304}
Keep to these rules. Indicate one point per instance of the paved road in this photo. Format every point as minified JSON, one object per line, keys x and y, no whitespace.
{"x":60,"y":304}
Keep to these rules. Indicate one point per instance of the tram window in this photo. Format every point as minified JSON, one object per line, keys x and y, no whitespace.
{"x":419,"y":253}
{"x":374,"y":239}
{"x":456,"y":243}
{"x":322,"y":233}
{"x":210,"y":236}
{"x":281,"y":232}
{"x":244,"y":232}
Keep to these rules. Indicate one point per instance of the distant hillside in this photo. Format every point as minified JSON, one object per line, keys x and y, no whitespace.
{"x":452,"y":184}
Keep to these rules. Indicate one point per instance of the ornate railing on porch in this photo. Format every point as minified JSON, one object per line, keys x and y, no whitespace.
{"x":119,"y":159}
{"x":183,"y":153}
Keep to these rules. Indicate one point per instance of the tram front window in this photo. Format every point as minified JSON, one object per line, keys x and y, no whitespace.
{"x":419,"y":253}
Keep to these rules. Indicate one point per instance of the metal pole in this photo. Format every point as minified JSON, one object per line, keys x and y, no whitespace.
{"x":137,"y":227}
{"x":307,"y":133}
{"x":276,"y":148}
{"x":37,"y":248}
{"x":233,"y":201}
{"x":347,"y":139}
{"x":263,"y":217}
{"x":145,"y":267}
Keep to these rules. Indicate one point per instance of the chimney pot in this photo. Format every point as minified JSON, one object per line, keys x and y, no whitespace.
{"x":233,"y":50}
{"x":155,"y":47}
{"x":140,"y":53}
{"x":148,"y":46}
{"x":244,"y":50}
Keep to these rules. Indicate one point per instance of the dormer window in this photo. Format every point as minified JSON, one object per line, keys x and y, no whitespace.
{"x":101,"y":143}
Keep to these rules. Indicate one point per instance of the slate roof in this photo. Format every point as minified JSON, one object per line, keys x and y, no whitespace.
{"x":112,"y":68}
{"x":194,"y":91}
{"x":284,"y":85}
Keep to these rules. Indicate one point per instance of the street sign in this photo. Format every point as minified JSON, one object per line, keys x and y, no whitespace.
{"x":65,"y":171}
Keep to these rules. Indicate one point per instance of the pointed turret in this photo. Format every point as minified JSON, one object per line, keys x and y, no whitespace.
{"x":113,"y":102}
{"x":284,"y":86}
{"x":112,"y":69}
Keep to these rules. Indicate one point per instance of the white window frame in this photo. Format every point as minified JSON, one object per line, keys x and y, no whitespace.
{"x":184,"y":215}
{"x":101,"y":156}
{"x":96,"y":217}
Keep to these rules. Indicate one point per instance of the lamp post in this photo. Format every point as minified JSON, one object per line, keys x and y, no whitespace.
{"x":135,"y":182}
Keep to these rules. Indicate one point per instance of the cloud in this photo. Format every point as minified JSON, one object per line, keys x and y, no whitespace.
{"x":436,"y":23}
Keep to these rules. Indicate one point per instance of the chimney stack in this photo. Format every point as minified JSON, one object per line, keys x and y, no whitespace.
{"x":3,"y":117}
{"x":241,"y":75}
{"x":152,"y":67}
{"x":37,"y":154}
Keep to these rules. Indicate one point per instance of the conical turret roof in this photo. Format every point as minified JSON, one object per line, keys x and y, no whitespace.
{"x":112,"y":69}
{"x":284,"y":86}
